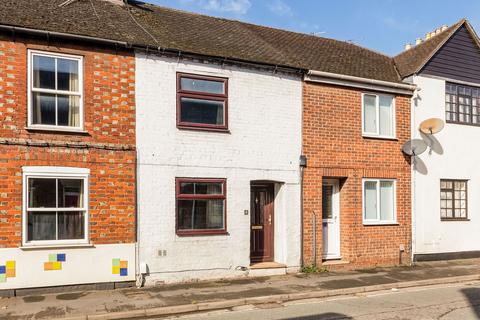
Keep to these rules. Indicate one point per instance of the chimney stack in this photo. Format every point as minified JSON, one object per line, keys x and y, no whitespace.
{"x":408,"y":46}
{"x":418,"y":41}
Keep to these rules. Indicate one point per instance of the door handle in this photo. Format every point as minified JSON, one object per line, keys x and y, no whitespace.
{"x":270,"y":220}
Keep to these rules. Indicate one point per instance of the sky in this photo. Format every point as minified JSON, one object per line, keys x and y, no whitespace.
{"x":382,"y":25}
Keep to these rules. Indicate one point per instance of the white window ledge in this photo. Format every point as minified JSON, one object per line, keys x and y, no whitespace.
{"x":56,"y":246}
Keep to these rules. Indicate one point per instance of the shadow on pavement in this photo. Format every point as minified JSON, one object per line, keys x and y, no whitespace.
{"x":473,"y":296}
{"x":322,"y":316}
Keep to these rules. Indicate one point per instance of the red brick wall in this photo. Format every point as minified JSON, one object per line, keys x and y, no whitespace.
{"x":334,"y":146}
{"x":107,"y":147}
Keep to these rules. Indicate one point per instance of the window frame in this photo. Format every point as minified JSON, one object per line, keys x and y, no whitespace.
{"x":179,"y":196}
{"x":377,"y":134}
{"x":30,"y":90}
{"x":453,"y":200}
{"x":54,"y":173}
{"x":457,"y":103}
{"x":378,"y":221}
{"x":202,"y":96}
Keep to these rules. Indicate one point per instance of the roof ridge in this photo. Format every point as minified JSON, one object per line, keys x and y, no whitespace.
{"x":265,"y":27}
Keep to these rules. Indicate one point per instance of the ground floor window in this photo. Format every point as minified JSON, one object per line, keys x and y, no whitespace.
{"x":55,"y":205}
{"x":379,"y":201}
{"x":200,"y":206}
{"x":453,"y":199}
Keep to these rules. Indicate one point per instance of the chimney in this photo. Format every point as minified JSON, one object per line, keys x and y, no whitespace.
{"x":444,"y":27}
{"x":427,"y":35}
{"x":418,"y":41}
{"x":408,"y":46}
{"x":117,"y":2}
{"x":438,"y":31}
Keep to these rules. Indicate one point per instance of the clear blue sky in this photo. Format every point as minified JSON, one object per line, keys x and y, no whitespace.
{"x":382,"y":25}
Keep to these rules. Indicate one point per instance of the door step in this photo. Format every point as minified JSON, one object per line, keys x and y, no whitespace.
{"x":264,"y":269}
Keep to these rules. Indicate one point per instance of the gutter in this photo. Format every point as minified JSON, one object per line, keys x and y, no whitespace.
{"x":54,"y":34}
{"x":165,"y":51}
{"x":358,"y":82}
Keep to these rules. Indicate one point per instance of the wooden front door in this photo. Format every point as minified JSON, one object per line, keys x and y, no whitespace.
{"x":261,"y":218}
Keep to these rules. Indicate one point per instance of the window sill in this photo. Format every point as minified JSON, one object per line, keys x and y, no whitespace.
{"x":454,"y":219}
{"x":367,"y":136}
{"x":207,"y":129}
{"x":56,"y":246}
{"x":202,"y":233}
{"x":389,"y":223}
{"x":54,"y":130}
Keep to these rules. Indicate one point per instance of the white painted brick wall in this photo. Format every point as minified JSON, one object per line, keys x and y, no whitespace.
{"x":264,"y":143}
{"x":458,"y":160}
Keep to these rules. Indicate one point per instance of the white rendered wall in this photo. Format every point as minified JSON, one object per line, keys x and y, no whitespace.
{"x":82,"y":265}
{"x":264,"y":143}
{"x":460,"y":160}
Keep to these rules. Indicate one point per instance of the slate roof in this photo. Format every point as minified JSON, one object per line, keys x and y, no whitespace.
{"x":148,"y":25}
{"x":411,"y":61}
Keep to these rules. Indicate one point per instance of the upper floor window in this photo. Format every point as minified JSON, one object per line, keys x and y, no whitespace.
{"x":55,"y":91}
{"x":378,"y":115}
{"x":202,"y":102}
{"x":462,"y":104}
{"x":55,"y":205}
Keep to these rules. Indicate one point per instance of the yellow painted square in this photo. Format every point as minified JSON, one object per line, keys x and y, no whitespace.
{"x":10,"y":265}
{"x":115,"y":270}
{"x":123,"y":264}
{"x":48,"y":266}
{"x":57,"y":265}
{"x":10,"y":273}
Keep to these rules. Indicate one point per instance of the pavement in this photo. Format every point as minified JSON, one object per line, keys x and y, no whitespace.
{"x":176,"y":299}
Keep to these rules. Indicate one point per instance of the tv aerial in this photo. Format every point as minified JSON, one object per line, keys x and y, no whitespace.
{"x":414,"y":148}
{"x":430,"y":127}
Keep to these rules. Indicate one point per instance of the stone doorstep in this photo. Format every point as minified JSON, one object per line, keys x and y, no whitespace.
{"x":267,"y":265}
{"x":225,"y":304}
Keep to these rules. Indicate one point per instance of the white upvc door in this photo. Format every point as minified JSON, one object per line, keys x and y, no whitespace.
{"x":331,"y":219}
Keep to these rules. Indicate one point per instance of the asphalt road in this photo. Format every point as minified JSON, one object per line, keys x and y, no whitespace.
{"x":441,"y":302}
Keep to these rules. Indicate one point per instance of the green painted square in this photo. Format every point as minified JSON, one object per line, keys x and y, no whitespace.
{"x":52,"y":257}
{"x":3,"y":277}
{"x":115,"y":262}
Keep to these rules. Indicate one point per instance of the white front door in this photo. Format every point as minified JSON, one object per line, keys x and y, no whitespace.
{"x":331,"y":219}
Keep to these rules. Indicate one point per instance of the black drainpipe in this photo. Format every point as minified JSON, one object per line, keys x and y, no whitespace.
{"x":303,"y":165}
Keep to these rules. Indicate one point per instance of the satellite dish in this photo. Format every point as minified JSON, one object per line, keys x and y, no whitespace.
{"x":414,"y":147}
{"x":432,"y":126}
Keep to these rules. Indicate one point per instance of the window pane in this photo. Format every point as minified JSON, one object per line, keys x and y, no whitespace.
{"x":71,"y":225}
{"x":41,"y":226}
{"x":201,"y":111}
{"x":200,"y":214}
{"x":201,"y":188}
{"x":67,"y":75}
{"x":43,"y":108}
{"x":68,"y":111}
{"x":43,"y":72}
{"x":327,"y":203}
{"x":70,"y":193}
{"x":386,"y":116}
{"x":41,"y":193}
{"x":198,"y":85}
{"x":387,"y":199}
{"x":370,"y":199}
{"x":369,"y":114}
